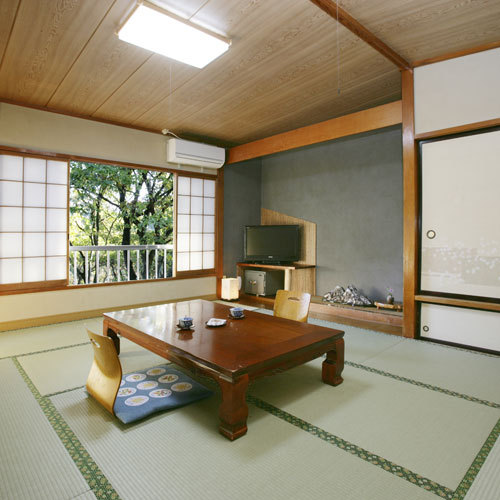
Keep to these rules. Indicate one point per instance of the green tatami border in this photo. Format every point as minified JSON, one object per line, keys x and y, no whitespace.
{"x":431,"y":387}
{"x":477,"y":463}
{"x":102,"y":488}
{"x":45,"y":350}
{"x":365,"y":455}
{"x":90,"y":471}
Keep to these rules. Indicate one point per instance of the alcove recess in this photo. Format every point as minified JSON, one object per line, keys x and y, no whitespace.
{"x":302,"y":278}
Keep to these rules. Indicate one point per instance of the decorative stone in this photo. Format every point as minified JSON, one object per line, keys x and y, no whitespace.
{"x":350,"y":296}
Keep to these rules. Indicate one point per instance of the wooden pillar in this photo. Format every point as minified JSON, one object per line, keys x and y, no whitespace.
{"x":410,"y":207}
{"x":219,"y":244}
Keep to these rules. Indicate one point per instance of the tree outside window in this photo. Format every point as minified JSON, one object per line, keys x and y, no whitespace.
{"x":121,"y":223}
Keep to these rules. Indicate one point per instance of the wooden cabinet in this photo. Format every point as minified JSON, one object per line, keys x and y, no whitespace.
{"x":299,"y":278}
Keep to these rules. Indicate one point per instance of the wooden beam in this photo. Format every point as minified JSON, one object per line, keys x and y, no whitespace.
{"x":471,"y":304}
{"x":355,"y":123}
{"x":495,"y":122}
{"x":410,"y":208}
{"x":344,"y":18}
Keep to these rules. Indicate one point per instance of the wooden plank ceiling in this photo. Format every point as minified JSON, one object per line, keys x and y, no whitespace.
{"x":287,"y":60}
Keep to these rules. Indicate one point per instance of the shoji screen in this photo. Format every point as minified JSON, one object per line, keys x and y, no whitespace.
{"x":33,"y":220}
{"x":460,"y":215}
{"x":195,"y":224}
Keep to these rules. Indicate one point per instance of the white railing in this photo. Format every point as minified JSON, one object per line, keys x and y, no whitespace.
{"x":111,"y":263}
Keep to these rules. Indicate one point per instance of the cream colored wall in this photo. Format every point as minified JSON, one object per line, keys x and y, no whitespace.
{"x":457,"y":91}
{"x":51,"y":132}
{"x":55,"y":133}
{"x":38,"y":305}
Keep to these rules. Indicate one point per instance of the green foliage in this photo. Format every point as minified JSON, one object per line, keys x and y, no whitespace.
{"x":112,"y":205}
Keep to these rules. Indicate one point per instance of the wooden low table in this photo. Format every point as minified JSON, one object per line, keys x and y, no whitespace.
{"x":234,"y":354}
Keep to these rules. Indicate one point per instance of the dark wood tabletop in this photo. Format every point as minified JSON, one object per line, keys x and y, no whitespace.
{"x":233,"y":354}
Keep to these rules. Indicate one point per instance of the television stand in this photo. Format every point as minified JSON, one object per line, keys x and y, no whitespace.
{"x":297,"y":277}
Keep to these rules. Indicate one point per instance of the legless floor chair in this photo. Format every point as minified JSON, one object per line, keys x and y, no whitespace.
{"x":136,"y":395}
{"x":292,"y":305}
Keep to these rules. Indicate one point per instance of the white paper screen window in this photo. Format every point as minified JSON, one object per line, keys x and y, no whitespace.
{"x":195,"y":224}
{"x":33,"y":219}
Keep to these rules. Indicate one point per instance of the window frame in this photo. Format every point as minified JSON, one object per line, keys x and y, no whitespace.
{"x":217,"y":210}
{"x":45,"y":286}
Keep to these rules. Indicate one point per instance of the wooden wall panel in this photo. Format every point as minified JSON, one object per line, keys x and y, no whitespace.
{"x":308,"y":233}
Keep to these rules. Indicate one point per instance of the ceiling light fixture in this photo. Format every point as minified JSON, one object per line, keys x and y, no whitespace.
{"x":159,"y":31}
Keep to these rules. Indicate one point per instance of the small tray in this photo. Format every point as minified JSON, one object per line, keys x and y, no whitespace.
{"x":234,"y":317}
{"x":218,"y":325}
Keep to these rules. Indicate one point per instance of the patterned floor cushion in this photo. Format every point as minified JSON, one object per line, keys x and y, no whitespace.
{"x":156,"y":389}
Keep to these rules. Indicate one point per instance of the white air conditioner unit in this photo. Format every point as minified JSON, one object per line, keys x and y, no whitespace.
{"x":197,"y":154}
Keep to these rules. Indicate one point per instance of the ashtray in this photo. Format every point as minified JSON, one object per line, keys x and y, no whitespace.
{"x":216,"y":322}
{"x":236,"y":317}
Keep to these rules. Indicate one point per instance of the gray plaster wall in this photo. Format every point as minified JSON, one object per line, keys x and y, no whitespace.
{"x":242,"y":203}
{"x":352,"y":188}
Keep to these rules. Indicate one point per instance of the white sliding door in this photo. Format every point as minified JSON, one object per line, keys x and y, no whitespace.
{"x":461,"y":326}
{"x":33,"y":222}
{"x":461,"y":215}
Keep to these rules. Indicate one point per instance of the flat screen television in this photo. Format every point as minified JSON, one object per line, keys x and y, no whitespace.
{"x":272,"y":244}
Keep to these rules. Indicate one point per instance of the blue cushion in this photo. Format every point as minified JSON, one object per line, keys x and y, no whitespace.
{"x":160,"y":388}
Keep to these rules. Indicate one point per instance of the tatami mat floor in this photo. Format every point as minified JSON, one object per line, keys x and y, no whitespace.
{"x":412,"y":420}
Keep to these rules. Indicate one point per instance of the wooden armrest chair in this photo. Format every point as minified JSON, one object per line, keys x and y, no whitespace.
{"x":292,"y":305}
{"x":139,"y":394}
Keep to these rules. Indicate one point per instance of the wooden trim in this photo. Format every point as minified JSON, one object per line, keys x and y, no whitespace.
{"x":448,"y":301}
{"x":183,"y":276}
{"x":354,"y":123}
{"x":61,"y":318}
{"x":219,"y":228}
{"x":458,"y":53}
{"x":201,"y":273}
{"x":458,"y":129}
{"x":281,"y":268}
{"x":31,"y":286}
{"x":339,"y":14}
{"x":410,"y":208}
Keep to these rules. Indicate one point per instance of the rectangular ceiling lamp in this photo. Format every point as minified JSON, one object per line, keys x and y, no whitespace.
{"x":162,"y":32}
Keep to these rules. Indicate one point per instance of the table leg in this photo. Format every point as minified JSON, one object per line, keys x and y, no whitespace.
{"x":334,"y":364}
{"x":107,"y":331}
{"x":233,"y":411}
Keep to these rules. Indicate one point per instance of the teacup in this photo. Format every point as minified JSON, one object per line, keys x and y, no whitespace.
{"x":236,"y":312}
{"x":185,"y":322}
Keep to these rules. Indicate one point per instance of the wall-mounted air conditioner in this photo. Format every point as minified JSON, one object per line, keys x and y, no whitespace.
{"x":197,"y":154}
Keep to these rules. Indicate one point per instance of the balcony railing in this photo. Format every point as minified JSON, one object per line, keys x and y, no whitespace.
{"x":113,"y":263}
